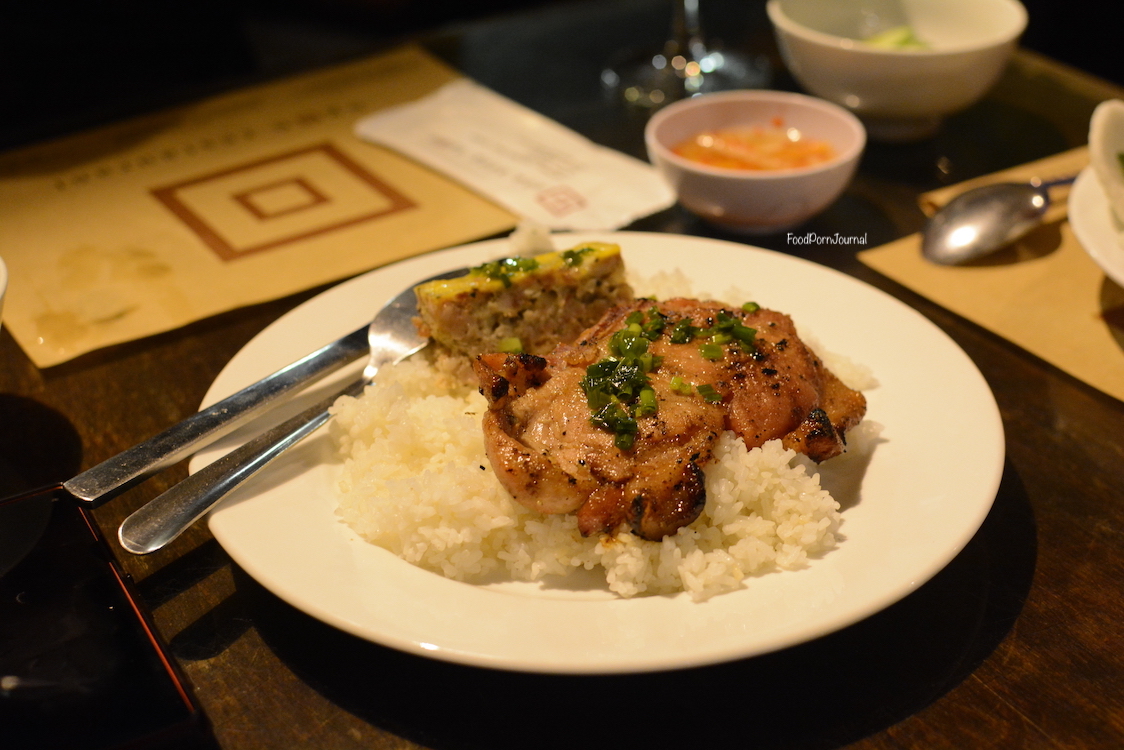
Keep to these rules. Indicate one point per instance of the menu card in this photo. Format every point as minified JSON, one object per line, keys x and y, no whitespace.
{"x":147,"y":225}
{"x":1043,"y":293}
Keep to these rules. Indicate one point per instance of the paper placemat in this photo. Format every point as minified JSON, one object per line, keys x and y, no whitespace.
{"x":150,"y":224}
{"x":1043,"y":293}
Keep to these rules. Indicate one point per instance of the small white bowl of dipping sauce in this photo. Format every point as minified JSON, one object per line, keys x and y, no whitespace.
{"x":755,"y":162}
{"x":900,"y":65}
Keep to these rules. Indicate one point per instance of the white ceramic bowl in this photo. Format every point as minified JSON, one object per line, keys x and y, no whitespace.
{"x":757,"y":201}
{"x":900,"y":94}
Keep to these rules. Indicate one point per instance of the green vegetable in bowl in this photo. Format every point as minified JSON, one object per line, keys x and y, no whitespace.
{"x":898,"y":37}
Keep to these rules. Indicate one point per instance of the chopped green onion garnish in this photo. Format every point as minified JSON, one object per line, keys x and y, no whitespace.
{"x":575,"y":257}
{"x":615,"y":419}
{"x":708,"y":393}
{"x":502,"y":270}
{"x":511,"y":345}
{"x":722,"y":338}
{"x":655,"y":325}
{"x":627,"y":343}
{"x":646,"y":405}
{"x":729,"y":329}
{"x":710,"y":350}
{"x":681,"y":386}
{"x":683,"y":332}
{"x":617,"y":389}
{"x":649,"y":361}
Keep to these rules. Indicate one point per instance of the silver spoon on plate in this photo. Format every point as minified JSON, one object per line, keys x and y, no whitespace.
{"x":985,"y":219}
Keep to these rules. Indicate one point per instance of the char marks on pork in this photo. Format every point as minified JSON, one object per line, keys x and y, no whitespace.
{"x":552,"y":458}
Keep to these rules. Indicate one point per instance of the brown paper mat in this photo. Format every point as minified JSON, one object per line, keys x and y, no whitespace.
{"x":1044,"y":293}
{"x":153,"y":223}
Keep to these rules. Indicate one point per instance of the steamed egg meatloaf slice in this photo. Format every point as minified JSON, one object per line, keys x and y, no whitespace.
{"x":550,"y":456}
{"x":539,"y":301}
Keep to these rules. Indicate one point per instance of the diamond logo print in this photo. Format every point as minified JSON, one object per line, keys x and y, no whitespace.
{"x":279,"y":200}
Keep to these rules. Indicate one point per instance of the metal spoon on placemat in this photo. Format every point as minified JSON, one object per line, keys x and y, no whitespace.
{"x":985,"y":219}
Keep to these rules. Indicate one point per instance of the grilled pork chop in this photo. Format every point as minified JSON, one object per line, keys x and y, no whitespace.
{"x":572,"y":433}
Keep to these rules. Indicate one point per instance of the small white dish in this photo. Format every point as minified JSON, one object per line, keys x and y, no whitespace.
{"x":755,"y":201}
{"x":920,"y":500}
{"x":1095,"y":226}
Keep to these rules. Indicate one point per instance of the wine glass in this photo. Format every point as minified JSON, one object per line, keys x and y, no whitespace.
{"x":683,"y":67}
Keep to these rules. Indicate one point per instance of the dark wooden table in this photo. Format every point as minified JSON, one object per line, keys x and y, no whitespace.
{"x":1018,"y":643}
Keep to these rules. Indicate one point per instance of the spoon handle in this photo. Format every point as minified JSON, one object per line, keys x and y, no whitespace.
{"x":166,"y":517}
{"x":115,"y":475}
{"x":1047,"y":184}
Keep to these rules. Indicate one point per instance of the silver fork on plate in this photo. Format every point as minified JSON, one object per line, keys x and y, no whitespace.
{"x":391,"y":337}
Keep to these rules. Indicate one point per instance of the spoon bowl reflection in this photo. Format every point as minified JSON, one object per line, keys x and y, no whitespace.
{"x":985,"y":219}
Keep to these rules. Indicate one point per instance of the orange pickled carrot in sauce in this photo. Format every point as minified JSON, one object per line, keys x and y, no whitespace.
{"x":755,"y":148}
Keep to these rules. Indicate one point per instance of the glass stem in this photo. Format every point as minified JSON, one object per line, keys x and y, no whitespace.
{"x":686,"y":30}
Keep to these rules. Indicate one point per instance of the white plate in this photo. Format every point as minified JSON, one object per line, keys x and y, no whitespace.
{"x":1096,"y":228}
{"x":926,"y":491}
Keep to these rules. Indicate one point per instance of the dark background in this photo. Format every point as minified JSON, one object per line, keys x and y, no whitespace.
{"x":70,"y":64}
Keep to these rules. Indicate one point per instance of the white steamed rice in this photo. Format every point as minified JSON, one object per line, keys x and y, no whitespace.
{"x":416,"y":481}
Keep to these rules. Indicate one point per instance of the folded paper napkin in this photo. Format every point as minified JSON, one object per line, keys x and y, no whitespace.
{"x":153,"y":223}
{"x":1043,"y":293}
{"x":523,"y":161}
